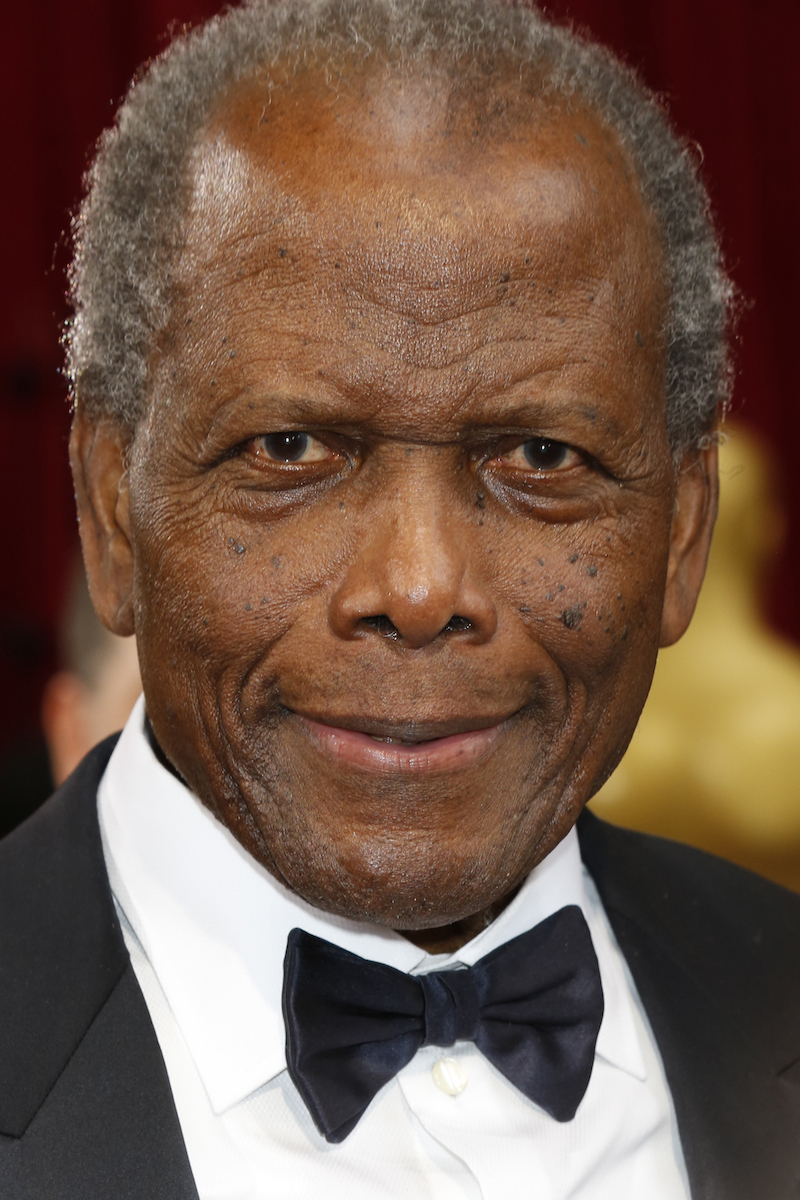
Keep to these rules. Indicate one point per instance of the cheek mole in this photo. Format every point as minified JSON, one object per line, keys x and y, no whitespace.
{"x":572,"y":617}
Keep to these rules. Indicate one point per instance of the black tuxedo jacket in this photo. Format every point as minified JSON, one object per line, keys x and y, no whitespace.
{"x":86,"y":1111}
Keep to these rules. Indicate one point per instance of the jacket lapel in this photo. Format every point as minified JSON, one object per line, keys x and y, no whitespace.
{"x":85,"y":1103}
{"x":715,"y":955}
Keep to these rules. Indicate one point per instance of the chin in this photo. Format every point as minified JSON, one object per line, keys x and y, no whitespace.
{"x":419,"y":892}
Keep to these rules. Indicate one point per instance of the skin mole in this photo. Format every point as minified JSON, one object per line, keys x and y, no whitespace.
{"x":572,"y":617}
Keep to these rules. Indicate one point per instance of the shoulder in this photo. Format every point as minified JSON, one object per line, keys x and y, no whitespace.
{"x":52,"y":866}
{"x":734,"y":932}
{"x":714,"y":952}
{"x":61,"y":949}
{"x":645,"y":875}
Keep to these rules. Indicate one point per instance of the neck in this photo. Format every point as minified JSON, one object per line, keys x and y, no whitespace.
{"x":446,"y":939}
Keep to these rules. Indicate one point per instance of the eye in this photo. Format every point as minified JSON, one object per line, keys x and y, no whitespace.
{"x":542,"y":454}
{"x":290,"y":446}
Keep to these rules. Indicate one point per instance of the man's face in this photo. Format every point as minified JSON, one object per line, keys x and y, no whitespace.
{"x":400,"y":512}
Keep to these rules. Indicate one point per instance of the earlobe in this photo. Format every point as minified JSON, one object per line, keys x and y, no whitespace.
{"x":97,"y":455}
{"x":690,"y":539}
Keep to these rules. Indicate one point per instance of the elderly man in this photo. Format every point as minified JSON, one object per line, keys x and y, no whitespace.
{"x":398,"y":346}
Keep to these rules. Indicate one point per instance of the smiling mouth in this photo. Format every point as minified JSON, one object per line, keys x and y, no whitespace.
{"x":431,"y":750}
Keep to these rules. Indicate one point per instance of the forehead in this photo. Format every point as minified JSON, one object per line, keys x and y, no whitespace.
{"x":400,"y":220}
{"x":415,"y":160}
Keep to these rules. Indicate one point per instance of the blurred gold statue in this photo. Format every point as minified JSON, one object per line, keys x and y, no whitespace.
{"x":715,"y":760}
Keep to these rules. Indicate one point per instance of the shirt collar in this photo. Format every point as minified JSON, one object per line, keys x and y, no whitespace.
{"x":214,"y":923}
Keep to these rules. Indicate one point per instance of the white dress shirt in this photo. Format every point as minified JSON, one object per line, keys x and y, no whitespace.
{"x":206,"y":929}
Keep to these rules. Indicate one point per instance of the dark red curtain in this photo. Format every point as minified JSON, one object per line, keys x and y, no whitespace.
{"x":727,"y":66}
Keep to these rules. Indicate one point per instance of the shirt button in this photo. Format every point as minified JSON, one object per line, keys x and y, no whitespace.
{"x":450,"y":1076}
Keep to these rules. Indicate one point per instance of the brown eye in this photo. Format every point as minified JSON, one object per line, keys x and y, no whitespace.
{"x":286,"y":447}
{"x":542,"y":454}
{"x":290,"y":446}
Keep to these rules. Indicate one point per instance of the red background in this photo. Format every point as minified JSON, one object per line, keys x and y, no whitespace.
{"x":728,"y":67}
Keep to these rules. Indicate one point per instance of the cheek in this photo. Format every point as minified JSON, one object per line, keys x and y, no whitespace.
{"x":589,"y":593}
{"x":214,"y":592}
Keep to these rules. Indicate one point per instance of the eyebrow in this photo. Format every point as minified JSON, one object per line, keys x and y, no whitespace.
{"x":549,"y":415}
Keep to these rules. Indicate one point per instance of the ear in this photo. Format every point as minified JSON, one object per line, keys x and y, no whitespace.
{"x":696,"y":497}
{"x":97,"y":451}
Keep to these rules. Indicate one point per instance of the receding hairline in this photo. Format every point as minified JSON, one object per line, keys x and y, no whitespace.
{"x":642,"y":246}
{"x":121,"y":273}
{"x":499,"y":101}
{"x":521,"y":118}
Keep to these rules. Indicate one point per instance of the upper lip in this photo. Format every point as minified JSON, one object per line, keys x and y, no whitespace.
{"x":412,"y":730}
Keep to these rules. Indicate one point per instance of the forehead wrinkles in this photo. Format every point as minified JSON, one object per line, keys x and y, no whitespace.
{"x":424,"y":163}
{"x":430,"y":250}
{"x":427,"y":261}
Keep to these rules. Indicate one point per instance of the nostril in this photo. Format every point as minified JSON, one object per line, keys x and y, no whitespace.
{"x":457,"y":625}
{"x":382,"y":625}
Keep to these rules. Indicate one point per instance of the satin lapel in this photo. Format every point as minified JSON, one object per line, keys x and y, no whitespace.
{"x":715,"y":954}
{"x":85,"y":1103}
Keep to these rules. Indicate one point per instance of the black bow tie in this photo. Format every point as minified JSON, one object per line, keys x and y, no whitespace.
{"x":533,"y":1007}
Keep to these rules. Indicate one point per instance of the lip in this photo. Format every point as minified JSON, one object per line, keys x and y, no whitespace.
{"x":356,"y":748}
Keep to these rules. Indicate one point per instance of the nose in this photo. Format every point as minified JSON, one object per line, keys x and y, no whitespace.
{"x":411,"y":580}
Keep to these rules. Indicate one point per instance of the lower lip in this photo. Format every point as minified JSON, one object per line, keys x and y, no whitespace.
{"x":443,"y":754}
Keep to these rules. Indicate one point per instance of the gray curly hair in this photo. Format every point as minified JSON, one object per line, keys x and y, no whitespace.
{"x":127,"y":232}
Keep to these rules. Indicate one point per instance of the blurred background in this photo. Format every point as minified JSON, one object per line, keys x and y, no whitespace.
{"x":716,"y":760}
